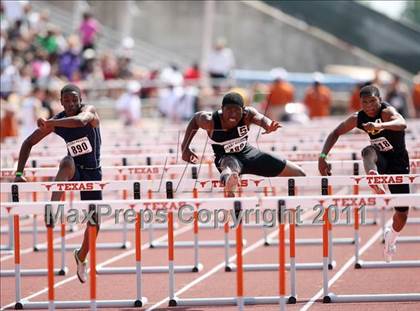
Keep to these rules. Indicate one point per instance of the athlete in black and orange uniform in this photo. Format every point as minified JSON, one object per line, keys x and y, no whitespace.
{"x":228,"y":132}
{"x":387,"y":153}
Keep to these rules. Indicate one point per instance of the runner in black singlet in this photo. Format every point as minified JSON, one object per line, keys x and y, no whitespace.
{"x":228,"y":132}
{"x":386,"y":154}
{"x":78,"y":125}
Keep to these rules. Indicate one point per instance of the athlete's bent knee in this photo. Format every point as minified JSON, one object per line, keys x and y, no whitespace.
{"x":230,"y":162}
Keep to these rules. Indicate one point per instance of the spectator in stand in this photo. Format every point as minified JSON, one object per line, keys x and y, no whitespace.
{"x":220,"y":63}
{"x":16,"y":31}
{"x":416,"y":95}
{"x":318,"y":98}
{"x":355,"y":103}
{"x":4,"y":22}
{"x":129,"y":104}
{"x":109,"y":66}
{"x":9,"y":124}
{"x":169,"y":96}
{"x":152,"y":78}
{"x":41,"y":67}
{"x":13,"y":10}
{"x":281,"y":93}
{"x":9,"y":78}
{"x":42,"y":22}
{"x":31,"y":111}
{"x":25,"y":81}
{"x":47,"y":40}
{"x":192,"y":73}
{"x":89,"y":30}
{"x":69,"y":61}
{"x":50,"y":102}
{"x":398,"y":96}
{"x":90,"y":68}
{"x":29,"y":18}
{"x":124,"y":67}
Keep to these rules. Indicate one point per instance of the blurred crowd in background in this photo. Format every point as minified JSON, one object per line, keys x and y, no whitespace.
{"x":38,"y":59}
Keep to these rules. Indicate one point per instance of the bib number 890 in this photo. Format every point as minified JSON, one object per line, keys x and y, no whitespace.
{"x":79,"y":148}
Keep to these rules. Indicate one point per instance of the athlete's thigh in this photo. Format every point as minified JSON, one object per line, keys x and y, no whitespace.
{"x":292,"y":169}
{"x":263,"y":164}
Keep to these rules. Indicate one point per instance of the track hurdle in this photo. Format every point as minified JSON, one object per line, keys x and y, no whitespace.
{"x":124,"y":244}
{"x":401,"y":239}
{"x":293,"y":266}
{"x":10,"y":243}
{"x":240,"y":300}
{"x":30,"y":272}
{"x":93,"y":303}
{"x":360,"y":264}
{"x":207,"y":243}
{"x":331,"y":297}
{"x":332,"y":200}
{"x":196,"y":267}
{"x":365,"y":264}
{"x":267,"y":202}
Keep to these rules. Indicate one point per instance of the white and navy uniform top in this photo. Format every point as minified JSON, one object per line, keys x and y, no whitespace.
{"x":232,"y":141}
{"x":83,"y":143}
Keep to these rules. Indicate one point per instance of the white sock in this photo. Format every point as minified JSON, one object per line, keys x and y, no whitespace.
{"x":393,"y":236}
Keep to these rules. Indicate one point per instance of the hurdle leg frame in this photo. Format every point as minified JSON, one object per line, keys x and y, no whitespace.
{"x":378,"y":264}
{"x":241,"y":300}
{"x":330,"y":297}
{"x":197,"y":267}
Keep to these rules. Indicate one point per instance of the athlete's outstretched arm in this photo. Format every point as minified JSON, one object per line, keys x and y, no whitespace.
{"x":261,"y":120}
{"x":88,"y":115}
{"x":25,"y":150}
{"x":201,"y":119}
{"x":393,"y":121}
{"x":344,"y":127}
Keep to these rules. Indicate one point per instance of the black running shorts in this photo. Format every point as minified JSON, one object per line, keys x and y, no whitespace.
{"x":394,"y":164}
{"x":256,"y":162}
{"x":82,"y":174}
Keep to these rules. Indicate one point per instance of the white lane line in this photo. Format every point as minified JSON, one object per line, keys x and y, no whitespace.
{"x":213,"y":271}
{"x":344,"y":268}
{"x":112,"y":259}
{"x":143,"y":247}
{"x":221,"y":265}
